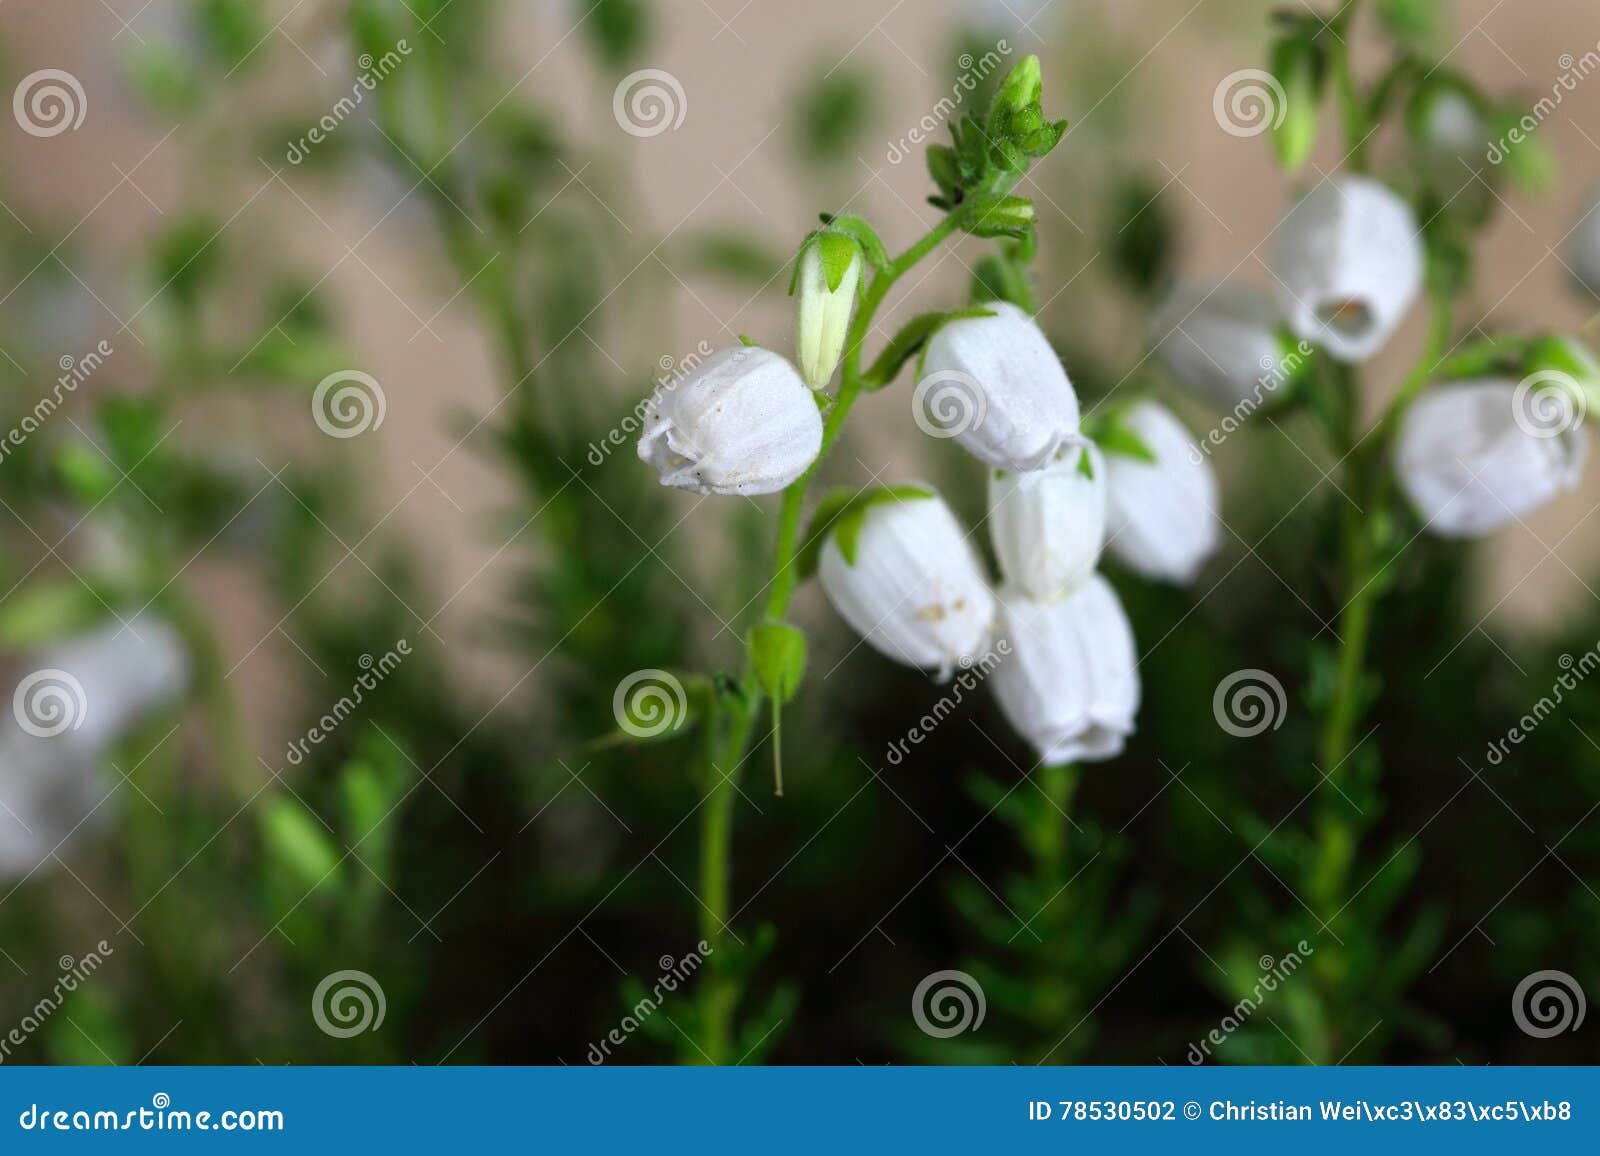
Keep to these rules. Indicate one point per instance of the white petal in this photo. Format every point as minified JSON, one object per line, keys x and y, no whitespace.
{"x":1220,"y":342}
{"x":916,"y":591}
{"x":1349,"y":262}
{"x":741,"y":422}
{"x":1162,"y":516}
{"x":1049,"y":525}
{"x":1069,"y":680}
{"x":1584,"y":253}
{"x":1470,"y":468}
{"x":995,"y":385}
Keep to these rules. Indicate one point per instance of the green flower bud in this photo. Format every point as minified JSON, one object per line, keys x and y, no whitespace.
{"x":1298,"y":67}
{"x":778,"y":654}
{"x":828,"y":278}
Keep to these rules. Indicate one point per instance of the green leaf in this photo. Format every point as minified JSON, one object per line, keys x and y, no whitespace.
{"x":1298,"y":65}
{"x":45,"y":611}
{"x":296,"y":843}
{"x":618,"y":29}
{"x":911,"y":338}
{"x":841,"y":513}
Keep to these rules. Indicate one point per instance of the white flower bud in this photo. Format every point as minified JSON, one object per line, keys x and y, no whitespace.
{"x":1048,"y":525}
{"x":915,"y":590}
{"x":1221,"y":342}
{"x":1070,"y":682}
{"x":1584,"y":252}
{"x":1348,"y":259}
{"x":995,"y":385}
{"x":823,"y":315}
{"x":741,"y":422}
{"x":1476,"y":456}
{"x":1162,"y":516}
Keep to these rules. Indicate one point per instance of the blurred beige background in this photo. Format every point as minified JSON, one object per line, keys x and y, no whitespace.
{"x":1136,"y":77}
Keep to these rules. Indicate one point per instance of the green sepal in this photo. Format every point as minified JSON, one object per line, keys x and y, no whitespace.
{"x":1086,"y":465}
{"x":871,"y":244}
{"x":999,"y":216}
{"x":835,"y":249}
{"x":908,"y":341}
{"x":841,"y":513}
{"x":1113,"y":436}
{"x":778,"y":656}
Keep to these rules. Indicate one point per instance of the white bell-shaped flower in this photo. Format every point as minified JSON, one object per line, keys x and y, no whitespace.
{"x":914,"y":589}
{"x":1349,"y":262}
{"x":995,"y":385}
{"x":1476,"y":456}
{"x":71,"y":702}
{"x":1069,"y":682}
{"x":822,"y":318}
{"x":1162,"y":515}
{"x":1223,"y":343}
{"x":741,"y":422}
{"x":1583,"y":255}
{"x":1049,"y":525}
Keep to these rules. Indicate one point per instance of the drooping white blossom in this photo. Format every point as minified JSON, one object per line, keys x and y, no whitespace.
{"x":1222,"y":342}
{"x":995,"y":385}
{"x":1348,"y":259}
{"x":1477,"y":456}
{"x":1583,"y":254}
{"x":741,"y":422}
{"x":1163,"y":517}
{"x":914,"y":589}
{"x":1069,"y":682}
{"x":1048,"y":526}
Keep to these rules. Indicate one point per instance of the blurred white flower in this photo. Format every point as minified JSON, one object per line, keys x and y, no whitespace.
{"x":1070,"y":684}
{"x":1348,"y":258}
{"x":741,"y":422}
{"x":1162,"y":516}
{"x":1019,"y":410}
{"x":1584,"y":252}
{"x":823,"y":314}
{"x":915,"y":590}
{"x":1049,"y":525}
{"x":1222,"y":342}
{"x":1471,"y":464}
{"x":73,"y":701}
